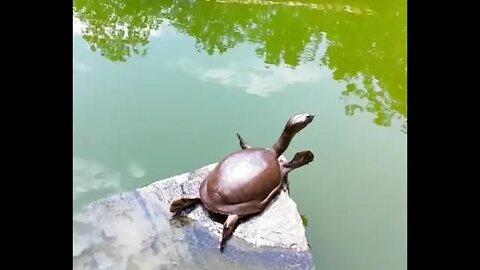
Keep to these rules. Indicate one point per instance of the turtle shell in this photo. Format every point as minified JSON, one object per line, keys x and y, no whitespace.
{"x":242,"y":183}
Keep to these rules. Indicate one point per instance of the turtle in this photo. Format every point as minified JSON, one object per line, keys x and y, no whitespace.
{"x":244,"y":182}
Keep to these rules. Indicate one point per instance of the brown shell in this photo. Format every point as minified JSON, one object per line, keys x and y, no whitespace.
{"x":243,"y":183}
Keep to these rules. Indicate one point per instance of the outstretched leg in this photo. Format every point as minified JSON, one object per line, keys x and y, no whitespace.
{"x":300,"y":159}
{"x":228,"y":228}
{"x":178,"y":205}
{"x":242,"y":142}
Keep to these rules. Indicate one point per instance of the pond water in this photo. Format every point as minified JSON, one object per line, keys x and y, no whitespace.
{"x":161,"y":88}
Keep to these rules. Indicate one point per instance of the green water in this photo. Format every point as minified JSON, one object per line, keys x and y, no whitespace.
{"x":161,"y":88}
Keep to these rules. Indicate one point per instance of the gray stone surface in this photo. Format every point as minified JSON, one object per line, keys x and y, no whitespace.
{"x":134,"y":230}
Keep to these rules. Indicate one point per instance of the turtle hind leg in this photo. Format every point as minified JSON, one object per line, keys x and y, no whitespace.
{"x":178,"y":205}
{"x":242,"y":142}
{"x":228,"y":228}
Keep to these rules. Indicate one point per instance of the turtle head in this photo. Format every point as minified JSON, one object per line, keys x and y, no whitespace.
{"x":293,"y":126}
{"x":298,"y":122}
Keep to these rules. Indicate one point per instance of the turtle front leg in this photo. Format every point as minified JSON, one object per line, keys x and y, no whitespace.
{"x":242,"y":142}
{"x":286,"y":186}
{"x":228,"y":228}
